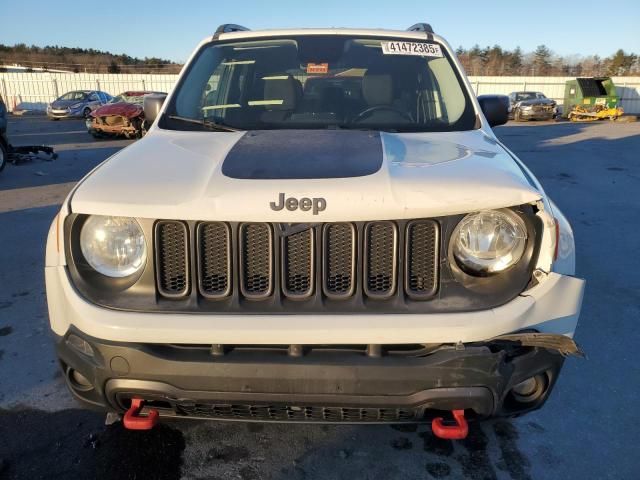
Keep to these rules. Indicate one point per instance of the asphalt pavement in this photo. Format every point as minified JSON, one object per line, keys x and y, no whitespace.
{"x":587,"y":430}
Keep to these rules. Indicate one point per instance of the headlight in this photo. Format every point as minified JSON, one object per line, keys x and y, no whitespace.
{"x":113,"y":246}
{"x":489,"y":242}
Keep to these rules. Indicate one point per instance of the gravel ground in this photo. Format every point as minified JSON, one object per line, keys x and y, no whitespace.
{"x":586,"y":430}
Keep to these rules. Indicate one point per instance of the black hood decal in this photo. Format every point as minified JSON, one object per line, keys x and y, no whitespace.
{"x":304,"y":154}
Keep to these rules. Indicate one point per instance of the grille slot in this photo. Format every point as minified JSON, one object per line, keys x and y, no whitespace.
{"x":381,"y":248}
{"x":339,"y":253}
{"x":422,"y":253}
{"x":303,"y":413}
{"x":297,"y":264}
{"x":214,"y":259}
{"x":256,"y":260}
{"x":172,"y":259}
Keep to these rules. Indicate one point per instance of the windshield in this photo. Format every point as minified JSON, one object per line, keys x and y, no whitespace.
{"x":73,"y":96}
{"x":528,"y":96}
{"x":322,"y":82}
{"x":128,"y":98}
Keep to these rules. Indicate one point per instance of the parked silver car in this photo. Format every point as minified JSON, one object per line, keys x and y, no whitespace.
{"x":78,"y":103}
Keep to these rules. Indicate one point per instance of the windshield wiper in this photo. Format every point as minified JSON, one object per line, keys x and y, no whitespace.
{"x":208,"y":124}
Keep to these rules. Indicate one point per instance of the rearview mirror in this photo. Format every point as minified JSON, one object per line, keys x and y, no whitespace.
{"x":152,"y":105}
{"x":495,"y":108}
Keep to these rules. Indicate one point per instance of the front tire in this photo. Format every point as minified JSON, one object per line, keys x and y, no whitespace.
{"x":86,"y":112}
{"x":3,"y":156}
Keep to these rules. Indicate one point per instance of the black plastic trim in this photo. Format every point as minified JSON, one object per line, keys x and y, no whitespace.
{"x":312,"y":267}
{"x":407,"y":259}
{"x":200,"y":252}
{"x":241,"y":257}
{"x":325,"y":267}
{"x":187,"y":288}
{"x":366,"y":264}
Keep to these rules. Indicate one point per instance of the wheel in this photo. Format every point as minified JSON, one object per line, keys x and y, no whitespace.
{"x":3,"y":156}
{"x":86,"y":112}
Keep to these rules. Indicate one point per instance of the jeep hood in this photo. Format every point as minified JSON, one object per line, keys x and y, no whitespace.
{"x":361,"y":175}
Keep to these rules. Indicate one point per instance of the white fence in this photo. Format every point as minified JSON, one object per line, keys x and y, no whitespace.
{"x":33,"y":91}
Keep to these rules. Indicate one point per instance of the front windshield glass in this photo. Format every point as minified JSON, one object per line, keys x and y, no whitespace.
{"x":322,"y":82}
{"x":73,"y":96}
{"x":137,"y":97}
{"x":525,"y":96}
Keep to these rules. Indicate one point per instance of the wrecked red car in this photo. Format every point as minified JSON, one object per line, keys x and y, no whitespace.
{"x":123,"y":115}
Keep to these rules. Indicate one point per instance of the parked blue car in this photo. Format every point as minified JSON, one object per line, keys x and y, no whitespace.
{"x":79,"y":104}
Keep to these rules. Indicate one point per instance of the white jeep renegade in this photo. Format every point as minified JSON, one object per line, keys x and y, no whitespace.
{"x":319,"y":226}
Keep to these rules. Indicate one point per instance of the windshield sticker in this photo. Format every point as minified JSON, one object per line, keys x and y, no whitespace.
{"x":318,"y":68}
{"x":411,"y":48}
{"x":220,"y":107}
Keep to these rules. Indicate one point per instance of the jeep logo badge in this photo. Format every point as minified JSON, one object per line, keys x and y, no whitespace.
{"x":305,"y":204}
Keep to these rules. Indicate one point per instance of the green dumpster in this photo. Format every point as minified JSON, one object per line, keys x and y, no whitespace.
{"x":589,"y":92}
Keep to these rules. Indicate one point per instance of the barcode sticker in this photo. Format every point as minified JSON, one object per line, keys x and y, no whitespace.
{"x":412,"y":48}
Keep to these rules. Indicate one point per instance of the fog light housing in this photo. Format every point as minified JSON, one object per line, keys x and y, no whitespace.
{"x":530,"y":390}
{"x":78,"y":381}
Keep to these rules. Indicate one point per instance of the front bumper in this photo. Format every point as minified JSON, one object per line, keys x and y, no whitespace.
{"x":319,"y":385}
{"x":64,"y":113}
{"x":535,"y":115}
{"x":553,"y":306}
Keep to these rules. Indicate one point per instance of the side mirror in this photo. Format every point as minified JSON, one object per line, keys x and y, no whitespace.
{"x":152,"y":104}
{"x":495,"y":109}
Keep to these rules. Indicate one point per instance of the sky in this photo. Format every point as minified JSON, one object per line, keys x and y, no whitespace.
{"x":172,"y":28}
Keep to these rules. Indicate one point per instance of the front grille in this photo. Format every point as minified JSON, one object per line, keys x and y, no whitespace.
{"x":172,"y":258}
{"x":301,"y":413}
{"x":330,"y":262}
{"x":297,"y":254}
{"x":340,"y":259}
{"x":214,"y":259}
{"x":381,"y":246}
{"x":422,"y":257}
{"x":256,"y":260}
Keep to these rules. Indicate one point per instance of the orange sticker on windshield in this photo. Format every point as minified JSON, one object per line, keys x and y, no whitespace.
{"x":317,"y":68}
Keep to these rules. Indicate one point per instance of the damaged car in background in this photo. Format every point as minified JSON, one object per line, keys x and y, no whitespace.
{"x":531,"y":106}
{"x":123,"y":115}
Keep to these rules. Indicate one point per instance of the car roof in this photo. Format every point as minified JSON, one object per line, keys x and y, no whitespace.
{"x":375,"y":32}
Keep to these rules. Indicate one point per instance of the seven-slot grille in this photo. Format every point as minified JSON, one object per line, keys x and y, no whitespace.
{"x":379,"y":258}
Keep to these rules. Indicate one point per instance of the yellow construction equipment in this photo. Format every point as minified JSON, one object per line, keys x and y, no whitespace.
{"x":591,"y":113}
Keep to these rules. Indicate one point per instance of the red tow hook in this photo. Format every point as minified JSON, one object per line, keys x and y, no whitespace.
{"x":132,"y":421}
{"x":451,"y":432}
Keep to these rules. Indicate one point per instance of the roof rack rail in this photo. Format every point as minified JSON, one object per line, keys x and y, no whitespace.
{"x":231,"y":27}
{"x":421,"y":27}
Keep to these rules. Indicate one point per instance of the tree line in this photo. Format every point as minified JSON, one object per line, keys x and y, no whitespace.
{"x":80,"y":60}
{"x":496,"y":61}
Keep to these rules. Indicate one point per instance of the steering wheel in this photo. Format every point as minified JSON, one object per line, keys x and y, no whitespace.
{"x":365,"y":113}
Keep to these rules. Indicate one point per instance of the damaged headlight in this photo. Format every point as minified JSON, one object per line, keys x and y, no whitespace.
{"x":113,"y":246}
{"x":489,"y":242}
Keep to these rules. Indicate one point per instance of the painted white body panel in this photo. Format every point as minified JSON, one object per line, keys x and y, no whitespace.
{"x":553,"y":307}
{"x":177,"y":175}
